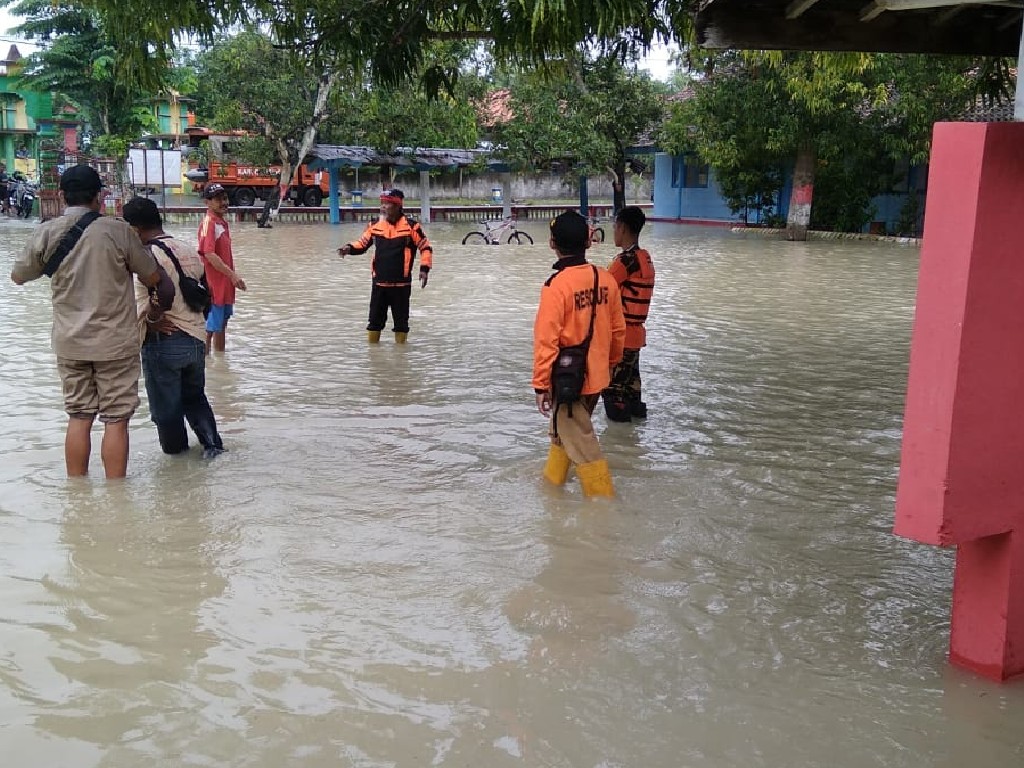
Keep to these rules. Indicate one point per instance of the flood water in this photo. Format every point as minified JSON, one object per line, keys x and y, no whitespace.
{"x":376,"y":575}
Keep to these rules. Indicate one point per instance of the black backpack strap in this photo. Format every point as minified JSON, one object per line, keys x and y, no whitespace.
{"x":68,"y":242}
{"x":170,"y":254}
{"x":593,"y":308}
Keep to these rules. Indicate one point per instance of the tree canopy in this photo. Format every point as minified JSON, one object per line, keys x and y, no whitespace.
{"x":856,"y":117}
{"x":81,"y":62}
{"x":590,"y":116}
{"x":390,"y":39}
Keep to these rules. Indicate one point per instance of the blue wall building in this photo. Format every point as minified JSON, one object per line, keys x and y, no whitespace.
{"x":685,"y":190}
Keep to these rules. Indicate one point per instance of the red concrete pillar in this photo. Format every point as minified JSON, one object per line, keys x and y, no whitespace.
{"x":962,"y":464}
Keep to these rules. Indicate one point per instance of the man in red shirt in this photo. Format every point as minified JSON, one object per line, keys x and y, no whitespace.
{"x":215,"y":248}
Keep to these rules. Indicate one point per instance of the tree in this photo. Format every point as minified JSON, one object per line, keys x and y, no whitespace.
{"x":81,"y":63}
{"x":590,"y":116}
{"x":413,"y":115}
{"x":260,"y":87}
{"x":843,"y":118}
{"x":391,"y":37}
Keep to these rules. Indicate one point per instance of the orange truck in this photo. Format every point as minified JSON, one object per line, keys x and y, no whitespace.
{"x":244,"y":182}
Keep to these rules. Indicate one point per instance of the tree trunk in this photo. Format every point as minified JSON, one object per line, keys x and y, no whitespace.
{"x":326,"y":84}
{"x":799,"y":218}
{"x":279,"y":191}
{"x":618,"y":186}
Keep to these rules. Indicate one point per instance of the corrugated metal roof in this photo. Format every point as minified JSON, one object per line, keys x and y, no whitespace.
{"x":327,"y":155}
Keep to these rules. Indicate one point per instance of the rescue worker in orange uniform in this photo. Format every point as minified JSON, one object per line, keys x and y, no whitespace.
{"x":633,"y":270}
{"x":563,"y":320}
{"x":395,"y":238}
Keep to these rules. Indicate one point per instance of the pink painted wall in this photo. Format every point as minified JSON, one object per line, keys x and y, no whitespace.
{"x":962,"y":464}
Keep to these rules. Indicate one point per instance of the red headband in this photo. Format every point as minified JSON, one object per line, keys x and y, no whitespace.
{"x":391,"y":199}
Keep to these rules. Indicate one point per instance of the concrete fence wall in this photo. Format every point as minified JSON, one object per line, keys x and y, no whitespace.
{"x":479,"y":186}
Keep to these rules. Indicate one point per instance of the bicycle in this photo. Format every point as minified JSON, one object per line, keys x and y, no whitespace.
{"x":596,"y":231}
{"x":495,"y":230}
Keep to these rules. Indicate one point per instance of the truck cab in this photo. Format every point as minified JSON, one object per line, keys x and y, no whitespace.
{"x":246,"y":183}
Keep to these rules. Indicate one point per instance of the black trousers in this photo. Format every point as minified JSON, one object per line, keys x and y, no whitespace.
{"x":397,"y":299}
{"x":625,"y":385}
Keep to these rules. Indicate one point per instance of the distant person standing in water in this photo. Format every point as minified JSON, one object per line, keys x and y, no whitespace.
{"x":579,"y":305}
{"x":215,"y":248}
{"x":395,"y":238}
{"x":633,"y":270}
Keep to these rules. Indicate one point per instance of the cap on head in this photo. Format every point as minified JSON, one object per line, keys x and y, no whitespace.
{"x":570,"y":232}
{"x":80,"y":179}
{"x":395,"y":196}
{"x":211,"y":191}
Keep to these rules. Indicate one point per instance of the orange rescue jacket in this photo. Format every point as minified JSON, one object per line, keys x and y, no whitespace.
{"x":395,"y":247}
{"x":633,"y":270}
{"x":563,"y":319}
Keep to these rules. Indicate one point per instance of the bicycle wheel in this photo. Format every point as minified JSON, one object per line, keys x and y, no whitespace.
{"x":475,"y":238}
{"x":598,"y":235}
{"x":518,"y":238}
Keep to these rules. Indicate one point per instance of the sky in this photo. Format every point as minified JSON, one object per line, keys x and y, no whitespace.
{"x":657,"y":63}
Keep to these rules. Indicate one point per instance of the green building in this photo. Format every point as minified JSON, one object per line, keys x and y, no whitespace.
{"x":27,"y":119}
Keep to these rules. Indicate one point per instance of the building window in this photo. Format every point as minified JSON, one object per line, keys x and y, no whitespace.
{"x":689,"y":171}
{"x":696,"y":172}
{"x":678,"y":171}
{"x":8,"y":115}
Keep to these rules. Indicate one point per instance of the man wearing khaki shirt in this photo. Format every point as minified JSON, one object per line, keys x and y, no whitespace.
{"x":95,"y":332}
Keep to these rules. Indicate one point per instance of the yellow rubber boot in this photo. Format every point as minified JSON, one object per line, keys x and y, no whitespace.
{"x":373,"y":337}
{"x":557,"y":467}
{"x":400,"y":337}
{"x":595,"y":478}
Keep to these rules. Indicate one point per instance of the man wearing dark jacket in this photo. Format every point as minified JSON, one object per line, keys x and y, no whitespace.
{"x":395,"y":238}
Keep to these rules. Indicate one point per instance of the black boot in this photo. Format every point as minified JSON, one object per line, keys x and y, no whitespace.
{"x":616,"y":410}
{"x":637,"y":409}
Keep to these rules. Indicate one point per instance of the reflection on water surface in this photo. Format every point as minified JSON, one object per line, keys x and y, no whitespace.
{"x":375,"y":576}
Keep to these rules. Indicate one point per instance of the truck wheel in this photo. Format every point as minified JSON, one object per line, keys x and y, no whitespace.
{"x":245,"y":196}
{"x":312,"y":197}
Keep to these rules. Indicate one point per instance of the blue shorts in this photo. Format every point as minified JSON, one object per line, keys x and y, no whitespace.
{"x":218,"y":317}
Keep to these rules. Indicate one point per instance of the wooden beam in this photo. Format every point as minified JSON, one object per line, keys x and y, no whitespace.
{"x":1013,"y":21}
{"x":917,"y":5}
{"x":836,"y":26}
{"x":796,"y":8}
{"x":877,"y":8}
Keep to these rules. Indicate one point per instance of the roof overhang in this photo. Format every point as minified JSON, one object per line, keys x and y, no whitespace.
{"x":965,"y":27}
{"x":420,"y":158}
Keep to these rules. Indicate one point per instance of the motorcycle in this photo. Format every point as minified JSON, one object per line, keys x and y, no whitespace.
{"x":27,"y":199}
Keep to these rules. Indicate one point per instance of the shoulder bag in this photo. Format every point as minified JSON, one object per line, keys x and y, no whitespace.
{"x":194,"y":292}
{"x":570,"y":369}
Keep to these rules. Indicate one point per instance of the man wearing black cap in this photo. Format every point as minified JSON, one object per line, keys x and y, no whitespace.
{"x":579,"y":305}
{"x":215,"y":248}
{"x":95,"y":329}
{"x":395,"y":238}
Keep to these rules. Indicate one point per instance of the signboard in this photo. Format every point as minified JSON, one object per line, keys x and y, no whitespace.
{"x":154,"y":168}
